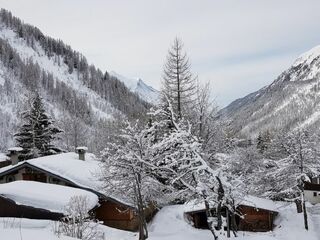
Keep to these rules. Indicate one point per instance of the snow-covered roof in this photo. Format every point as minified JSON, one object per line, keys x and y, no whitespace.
{"x":194,"y":206}
{"x":51,"y":197}
{"x":16,"y":149}
{"x":251,"y":201}
{"x":82,"y":148}
{"x":68,"y":166}
{"x":3,"y":157}
{"x":257,"y":202}
{"x":84,"y":174}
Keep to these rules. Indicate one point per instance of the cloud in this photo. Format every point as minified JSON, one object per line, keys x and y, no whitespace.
{"x":247,"y":42}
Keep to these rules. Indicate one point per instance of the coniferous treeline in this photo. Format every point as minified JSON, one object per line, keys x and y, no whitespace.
{"x":33,"y":78}
{"x":76,"y":112}
{"x":108,"y":87}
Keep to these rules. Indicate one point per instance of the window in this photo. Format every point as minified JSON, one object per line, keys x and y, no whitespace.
{"x":54,"y":180}
{"x":10,"y":178}
{"x":314,"y":194}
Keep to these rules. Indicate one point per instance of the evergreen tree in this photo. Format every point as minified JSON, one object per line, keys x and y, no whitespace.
{"x":37,"y":132}
{"x":263,"y":141}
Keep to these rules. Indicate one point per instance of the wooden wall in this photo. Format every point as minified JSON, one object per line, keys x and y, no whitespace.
{"x":255,"y":220}
{"x":118,"y":216}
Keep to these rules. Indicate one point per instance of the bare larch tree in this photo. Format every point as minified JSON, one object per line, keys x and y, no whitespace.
{"x":178,"y":81}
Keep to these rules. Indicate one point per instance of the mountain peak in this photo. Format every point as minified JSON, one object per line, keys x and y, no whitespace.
{"x":307,"y":57}
{"x":292,"y":101}
{"x":138,"y":86}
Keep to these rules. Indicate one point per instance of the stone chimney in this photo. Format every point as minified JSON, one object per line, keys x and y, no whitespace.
{"x":82,"y":152}
{"x":14,"y":154}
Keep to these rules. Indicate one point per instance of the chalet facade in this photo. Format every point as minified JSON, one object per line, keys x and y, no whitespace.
{"x":66,"y":169}
{"x":255,"y":219}
{"x":312,"y":191}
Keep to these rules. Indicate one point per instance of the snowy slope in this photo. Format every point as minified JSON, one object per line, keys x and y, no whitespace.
{"x":28,"y":229}
{"x":139,"y":87}
{"x":37,"y":54}
{"x":70,"y":87}
{"x":292,"y":101}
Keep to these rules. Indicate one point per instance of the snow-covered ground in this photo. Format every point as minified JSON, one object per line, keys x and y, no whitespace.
{"x":169,"y":224}
{"x":26,"y":229}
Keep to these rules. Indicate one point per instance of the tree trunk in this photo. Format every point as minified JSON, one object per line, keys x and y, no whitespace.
{"x":233,"y":220}
{"x":210,"y":219}
{"x":228,"y":223}
{"x":219,"y":207}
{"x":298,"y":205}
{"x":219,"y":217}
{"x":305,"y":216}
{"x":143,"y":231}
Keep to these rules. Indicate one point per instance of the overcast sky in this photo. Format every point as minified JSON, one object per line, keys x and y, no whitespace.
{"x":239,"y":46}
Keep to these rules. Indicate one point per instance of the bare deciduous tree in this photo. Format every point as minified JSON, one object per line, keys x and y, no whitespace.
{"x":178,"y":81}
{"x":126,"y":172}
{"x":78,"y":222}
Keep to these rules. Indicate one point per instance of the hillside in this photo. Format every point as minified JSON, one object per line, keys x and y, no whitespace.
{"x":78,"y":95}
{"x":292,"y":101}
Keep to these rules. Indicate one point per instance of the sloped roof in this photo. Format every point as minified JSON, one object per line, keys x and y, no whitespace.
{"x":250,"y":201}
{"x":67,"y":166}
{"x":51,"y":197}
{"x":256,"y":202}
{"x":3,"y":157}
{"x":311,"y":186}
{"x":194,"y":206}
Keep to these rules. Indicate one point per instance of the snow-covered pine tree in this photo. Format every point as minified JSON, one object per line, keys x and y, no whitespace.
{"x":263,"y":141}
{"x":37,"y":132}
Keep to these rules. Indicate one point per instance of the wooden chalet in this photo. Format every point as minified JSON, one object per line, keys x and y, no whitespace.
{"x":255,"y":219}
{"x":67,"y":169}
{"x":312,"y":191}
{"x":256,"y":215}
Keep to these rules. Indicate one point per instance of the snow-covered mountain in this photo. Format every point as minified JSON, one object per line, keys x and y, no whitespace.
{"x":75,"y":93}
{"x":292,"y":101}
{"x":139,"y":87}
